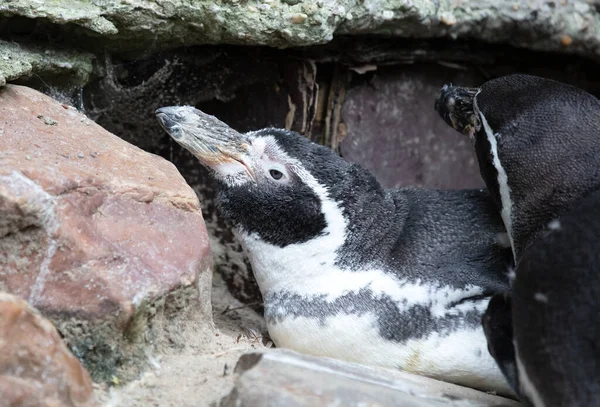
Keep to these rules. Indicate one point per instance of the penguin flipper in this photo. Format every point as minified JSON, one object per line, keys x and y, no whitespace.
{"x":498,"y":329}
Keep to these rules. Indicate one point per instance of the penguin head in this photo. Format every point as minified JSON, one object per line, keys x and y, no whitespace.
{"x":274,"y":185}
{"x":536,"y":143}
{"x":455,"y":106}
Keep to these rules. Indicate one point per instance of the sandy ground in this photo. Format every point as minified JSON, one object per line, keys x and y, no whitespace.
{"x":202,"y":372}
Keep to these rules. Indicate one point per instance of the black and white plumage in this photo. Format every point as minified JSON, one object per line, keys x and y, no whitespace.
{"x":350,"y":270}
{"x":538,"y":146}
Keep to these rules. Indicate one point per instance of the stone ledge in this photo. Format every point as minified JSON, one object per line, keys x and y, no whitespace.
{"x":139,"y":26}
{"x":285,"y":378}
{"x":19,"y":61}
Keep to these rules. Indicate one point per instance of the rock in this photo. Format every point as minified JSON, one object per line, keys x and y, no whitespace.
{"x":392,"y":130}
{"x":98,"y":235}
{"x":36,"y":368}
{"x":139,"y":27}
{"x":286,"y":378}
{"x":23,"y":61}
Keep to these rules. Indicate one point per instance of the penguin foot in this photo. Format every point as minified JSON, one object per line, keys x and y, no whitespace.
{"x":455,"y":105}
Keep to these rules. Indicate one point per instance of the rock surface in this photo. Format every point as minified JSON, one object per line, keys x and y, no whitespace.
{"x":97,"y":234}
{"x":22,"y":61}
{"x":285,"y":23}
{"x":36,"y":368}
{"x":141,"y":27}
{"x":285,"y":378}
{"x":392,"y":132}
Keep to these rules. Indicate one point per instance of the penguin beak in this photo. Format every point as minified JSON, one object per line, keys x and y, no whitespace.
{"x":455,"y":105}
{"x":215,"y":144}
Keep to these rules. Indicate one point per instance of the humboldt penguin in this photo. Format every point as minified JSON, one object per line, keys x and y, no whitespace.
{"x":538,"y":146}
{"x":349,"y":270}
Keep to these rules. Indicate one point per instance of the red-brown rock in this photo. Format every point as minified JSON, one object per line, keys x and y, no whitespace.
{"x":91,"y":226}
{"x":36,"y":368}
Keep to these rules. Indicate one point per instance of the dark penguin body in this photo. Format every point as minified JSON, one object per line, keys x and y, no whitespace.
{"x":558,"y":330}
{"x":498,"y":327}
{"x":538,"y":146}
{"x":348,"y":269}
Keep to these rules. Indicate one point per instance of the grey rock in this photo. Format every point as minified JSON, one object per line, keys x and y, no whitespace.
{"x":286,"y":378}
{"x":22,"y":61}
{"x":275,"y":23}
{"x":139,"y":26}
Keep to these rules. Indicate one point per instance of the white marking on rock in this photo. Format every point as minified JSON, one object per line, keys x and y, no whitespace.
{"x":387,"y":14}
{"x":507,"y":204}
{"x":138,"y":298}
{"x":41,"y":205}
{"x":541,"y":297}
{"x":525,"y":384}
{"x":154,"y":361}
{"x":356,"y":339}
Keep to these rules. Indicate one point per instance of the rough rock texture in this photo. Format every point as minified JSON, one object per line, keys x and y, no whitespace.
{"x":36,"y":368}
{"x":200,"y":372}
{"x":22,"y":61}
{"x":142,"y":27}
{"x":96,"y":234}
{"x":284,"y":23}
{"x":286,"y":378}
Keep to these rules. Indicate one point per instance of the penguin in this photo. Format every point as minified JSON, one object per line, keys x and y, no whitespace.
{"x":396,"y":278}
{"x":538,"y":146}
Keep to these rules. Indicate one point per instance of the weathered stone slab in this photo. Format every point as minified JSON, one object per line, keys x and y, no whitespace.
{"x":36,"y":368}
{"x":558,"y":25}
{"x":140,"y":27}
{"x":286,"y":378}
{"x":94,"y":232}
{"x":19,"y":61}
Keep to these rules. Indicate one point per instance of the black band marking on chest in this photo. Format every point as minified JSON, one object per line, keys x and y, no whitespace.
{"x":394,"y":325}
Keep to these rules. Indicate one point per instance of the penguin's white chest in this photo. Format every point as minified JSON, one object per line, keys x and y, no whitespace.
{"x":370,"y":316}
{"x":460,"y":357}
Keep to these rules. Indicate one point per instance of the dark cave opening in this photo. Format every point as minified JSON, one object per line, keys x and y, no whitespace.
{"x":369,"y":98}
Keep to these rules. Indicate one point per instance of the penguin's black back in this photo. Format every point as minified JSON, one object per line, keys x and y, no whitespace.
{"x":548,"y":143}
{"x":453,"y":237}
{"x":556,"y":308}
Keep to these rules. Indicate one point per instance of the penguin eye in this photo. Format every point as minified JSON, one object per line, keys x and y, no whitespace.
{"x":275,"y":174}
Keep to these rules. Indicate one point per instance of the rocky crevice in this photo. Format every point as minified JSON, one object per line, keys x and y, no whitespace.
{"x":352,"y":95}
{"x":359,"y":77}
